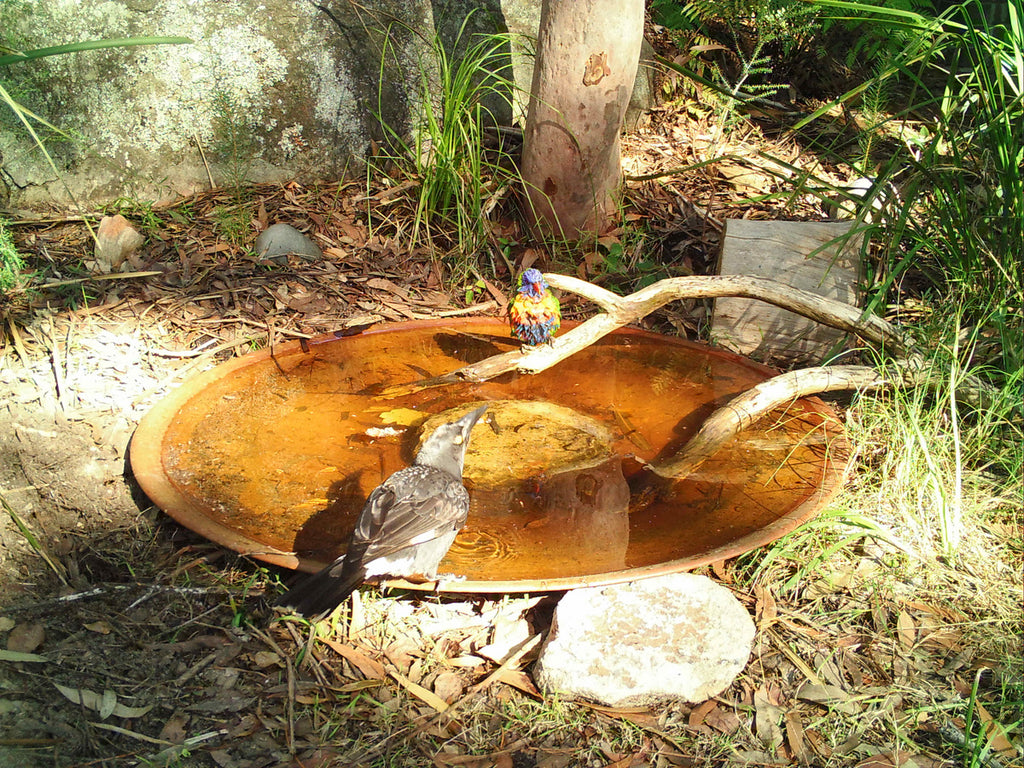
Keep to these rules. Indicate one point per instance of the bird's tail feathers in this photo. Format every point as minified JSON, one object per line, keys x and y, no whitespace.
{"x":323,"y":592}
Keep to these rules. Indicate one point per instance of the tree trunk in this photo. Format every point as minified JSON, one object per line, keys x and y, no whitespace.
{"x":587,"y":56}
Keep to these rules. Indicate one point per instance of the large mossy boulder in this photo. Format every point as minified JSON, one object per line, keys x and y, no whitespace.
{"x":268,"y":90}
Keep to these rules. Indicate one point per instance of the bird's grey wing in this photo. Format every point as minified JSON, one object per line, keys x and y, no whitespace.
{"x":417,"y":509}
{"x":418,"y":506}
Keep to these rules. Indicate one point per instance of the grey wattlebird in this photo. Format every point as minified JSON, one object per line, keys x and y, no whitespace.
{"x":406,"y":527}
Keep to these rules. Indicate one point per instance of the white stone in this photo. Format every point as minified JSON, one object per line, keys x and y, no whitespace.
{"x":675,"y":637}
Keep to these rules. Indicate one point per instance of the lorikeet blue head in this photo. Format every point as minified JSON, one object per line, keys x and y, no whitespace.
{"x":533,"y":283}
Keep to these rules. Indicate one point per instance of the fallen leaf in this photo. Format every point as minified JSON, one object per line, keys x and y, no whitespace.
{"x":906,"y":630}
{"x":19,"y":656}
{"x":174,"y":729}
{"x":945,"y":637}
{"x":324,"y":757}
{"x":467,"y":761}
{"x":828,"y":668}
{"x":6,"y":623}
{"x":449,"y":686}
{"x":555,"y":759}
{"x":229,"y":701}
{"x":264,"y":659}
{"x":383,"y":284}
{"x":831,"y":696}
{"x":818,"y":743}
{"x":467,"y":661}
{"x":519,"y":679}
{"x":767,"y":717}
{"x":744,"y":180}
{"x":106,"y":703}
{"x":702,"y":710}
{"x":795,"y":735}
{"x":528,"y":257}
{"x":723,"y":720}
{"x":591,"y":263}
{"x":840,"y":578}
{"x":25,"y":638}
{"x":923,"y":761}
{"x":878,"y":761}
{"x":108,"y":700}
{"x":99,"y":627}
{"x":995,"y":733}
{"x":371,"y":668}
{"x":721,"y":570}
{"x":508,"y":634}
{"x":402,"y":652}
{"x":195,"y":644}
{"x":417,"y":690}
{"x":405,"y":416}
{"x":767,"y":610}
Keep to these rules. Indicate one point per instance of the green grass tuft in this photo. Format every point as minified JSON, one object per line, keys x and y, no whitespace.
{"x":11,"y":262}
{"x":447,"y":160}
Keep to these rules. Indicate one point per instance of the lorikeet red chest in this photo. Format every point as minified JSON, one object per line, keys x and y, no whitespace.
{"x":534,"y":312}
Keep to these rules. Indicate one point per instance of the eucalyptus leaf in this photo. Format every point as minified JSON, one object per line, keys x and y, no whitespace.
{"x":20,"y":656}
{"x":105,"y":704}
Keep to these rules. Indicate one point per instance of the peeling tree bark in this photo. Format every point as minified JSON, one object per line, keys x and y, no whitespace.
{"x":587,"y":57}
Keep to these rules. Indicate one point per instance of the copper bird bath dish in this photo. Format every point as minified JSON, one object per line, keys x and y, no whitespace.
{"x":272,"y":455}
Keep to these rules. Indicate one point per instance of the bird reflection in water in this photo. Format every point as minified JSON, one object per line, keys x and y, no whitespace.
{"x":578,"y":519}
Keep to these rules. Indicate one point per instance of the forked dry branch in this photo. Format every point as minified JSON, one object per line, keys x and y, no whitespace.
{"x":747,"y":408}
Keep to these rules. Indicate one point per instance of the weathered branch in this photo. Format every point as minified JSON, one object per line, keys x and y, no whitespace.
{"x":620,"y":311}
{"x":744,"y":409}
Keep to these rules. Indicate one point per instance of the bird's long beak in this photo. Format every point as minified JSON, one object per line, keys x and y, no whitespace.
{"x":469,"y":421}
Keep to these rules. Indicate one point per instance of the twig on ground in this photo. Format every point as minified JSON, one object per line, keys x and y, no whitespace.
{"x":107,"y":589}
{"x":94,"y":278}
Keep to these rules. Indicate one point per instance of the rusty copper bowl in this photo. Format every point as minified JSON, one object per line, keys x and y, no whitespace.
{"x":272,"y":454}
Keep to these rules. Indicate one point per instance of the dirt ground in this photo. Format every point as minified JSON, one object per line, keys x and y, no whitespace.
{"x":136,"y":642}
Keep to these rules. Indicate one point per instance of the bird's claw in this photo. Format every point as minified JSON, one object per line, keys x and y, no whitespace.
{"x":449,"y":577}
{"x":437,"y":579}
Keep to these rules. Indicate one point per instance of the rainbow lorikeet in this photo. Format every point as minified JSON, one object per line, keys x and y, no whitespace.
{"x":534,"y":312}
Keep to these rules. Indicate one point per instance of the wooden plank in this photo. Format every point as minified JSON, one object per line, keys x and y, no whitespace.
{"x":821,"y":257}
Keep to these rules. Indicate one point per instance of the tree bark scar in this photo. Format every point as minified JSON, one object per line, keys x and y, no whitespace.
{"x":596,"y":68}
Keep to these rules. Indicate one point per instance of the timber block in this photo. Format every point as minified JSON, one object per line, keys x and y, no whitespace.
{"x":819,"y":257}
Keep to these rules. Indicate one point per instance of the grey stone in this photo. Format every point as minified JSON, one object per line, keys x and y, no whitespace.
{"x":675,"y":637}
{"x":278,"y":240}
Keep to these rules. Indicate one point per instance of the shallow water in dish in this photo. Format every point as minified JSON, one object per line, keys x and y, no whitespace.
{"x":285,"y":450}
